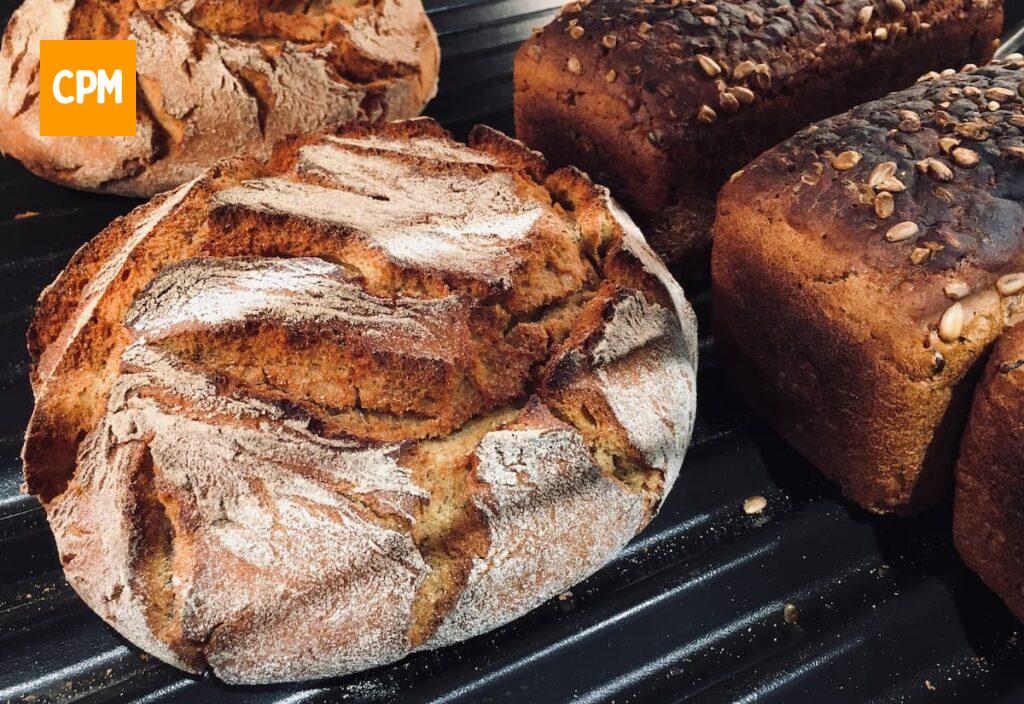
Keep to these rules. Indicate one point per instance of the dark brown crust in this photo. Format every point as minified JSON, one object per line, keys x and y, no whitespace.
{"x":640,"y":133}
{"x":988,"y":516}
{"x":831,"y":330}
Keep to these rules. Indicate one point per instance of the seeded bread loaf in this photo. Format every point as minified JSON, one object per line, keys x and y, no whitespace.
{"x":217,"y":79}
{"x":382,"y":394}
{"x":862,"y":270}
{"x":663,"y":100}
{"x":988,"y":518}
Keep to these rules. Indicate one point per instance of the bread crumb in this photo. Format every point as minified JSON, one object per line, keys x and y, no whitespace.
{"x":26,"y":214}
{"x":754,"y":505}
{"x":789,"y":613}
{"x":929,"y":686}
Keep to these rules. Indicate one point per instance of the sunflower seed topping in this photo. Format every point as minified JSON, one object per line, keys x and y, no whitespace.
{"x":884,"y":205}
{"x":743,"y":69}
{"x":1011,"y":284}
{"x":955,"y":290}
{"x":965,"y":157}
{"x":951,"y":324}
{"x":708,"y":65}
{"x":881,"y":172}
{"x":743,"y":94}
{"x":846,"y":160}
{"x":999,"y":94}
{"x":936,"y":169}
{"x":902,"y":231}
{"x":707,"y":114}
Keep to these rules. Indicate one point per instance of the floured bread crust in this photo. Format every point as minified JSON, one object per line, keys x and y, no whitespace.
{"x":383,"y":393}
{"x":217,"y":79}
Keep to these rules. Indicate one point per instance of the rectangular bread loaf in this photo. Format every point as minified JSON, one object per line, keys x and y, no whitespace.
{"x":663,"y":99}
{"x":988,"y":515}
{"x":863,"y":268}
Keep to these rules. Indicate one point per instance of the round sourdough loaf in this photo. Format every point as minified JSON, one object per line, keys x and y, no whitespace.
{"x":217,"y":79}
{"x":382,"y":393}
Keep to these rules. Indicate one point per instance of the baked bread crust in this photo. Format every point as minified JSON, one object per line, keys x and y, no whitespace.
{"x":381,"y":394}
{"x":857,"y":279}
{"x":217,"y":79}
{"x":662,"y":101}
{"x":988,"y":520}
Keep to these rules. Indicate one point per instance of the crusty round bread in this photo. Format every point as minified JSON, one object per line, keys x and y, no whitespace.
{"x":382,"y":393}
{"x":217,"y":79}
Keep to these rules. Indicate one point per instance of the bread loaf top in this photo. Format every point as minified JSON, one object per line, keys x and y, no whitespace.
{"x":686,"y":70}
{"x":383,"y":393}
{"x":217,"y":79}
{"x":909,"y":207}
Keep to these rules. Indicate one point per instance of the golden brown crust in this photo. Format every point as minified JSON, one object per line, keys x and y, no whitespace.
{"x":216,"y":80}
{"x":855,"y":328}
{"x":633,"y":93}
{"x":988,"y":516}
{"x":367,"y":392}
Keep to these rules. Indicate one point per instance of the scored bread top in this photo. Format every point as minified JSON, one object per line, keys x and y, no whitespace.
{"x":385,"y":391}
{"x":909,"y":208}
{"x":217,"y":79}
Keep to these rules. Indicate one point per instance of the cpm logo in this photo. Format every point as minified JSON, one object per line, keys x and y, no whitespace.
{"x":87,"y":87}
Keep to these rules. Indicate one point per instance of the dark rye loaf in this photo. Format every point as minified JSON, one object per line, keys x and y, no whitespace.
{"x":863,"y":269}
{"x":663,"y":100}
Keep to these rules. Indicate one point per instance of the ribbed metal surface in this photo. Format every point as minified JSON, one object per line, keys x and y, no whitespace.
{"x":692,"y":611}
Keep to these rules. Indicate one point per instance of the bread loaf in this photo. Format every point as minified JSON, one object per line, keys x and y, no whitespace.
{"x":859,"y":278}
{"x":381,"y":394}
{"x":663,"y":100}
{"x":988,"y":521}
{"x":216,"y":79}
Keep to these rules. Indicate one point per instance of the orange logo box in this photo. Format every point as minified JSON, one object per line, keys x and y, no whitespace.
{"x":86,"y":87}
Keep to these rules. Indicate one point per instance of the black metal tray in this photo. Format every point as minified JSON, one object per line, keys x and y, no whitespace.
{"x":694,"y":610}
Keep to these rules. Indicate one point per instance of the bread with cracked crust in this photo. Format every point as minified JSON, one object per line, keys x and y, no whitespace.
{"x":217,"y":79}
{"x":382,"y":394}
{"x":988,"y":518}
{"x":663,"y":100}
{"x":860,"y":276}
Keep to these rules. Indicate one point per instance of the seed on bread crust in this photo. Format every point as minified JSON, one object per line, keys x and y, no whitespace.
{"x":951,"y":325}
{"x":1011,"y":284}
{"x":844,"y":161}
{"x":708,"y":65}
{"x":743,"y":94}
{"x":864,"y":14}
{"x":955,"y":290}
{"x":728,"y":102}
{"x":707,"y":114}
{"x":965,"y":157}
{"x":902,"y":231}
{"x":936,"y":169}
{"x":743,"y":69}
{"x":881,"y":172}
{"x":884,"y":205}
{"x":574,"y":65}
